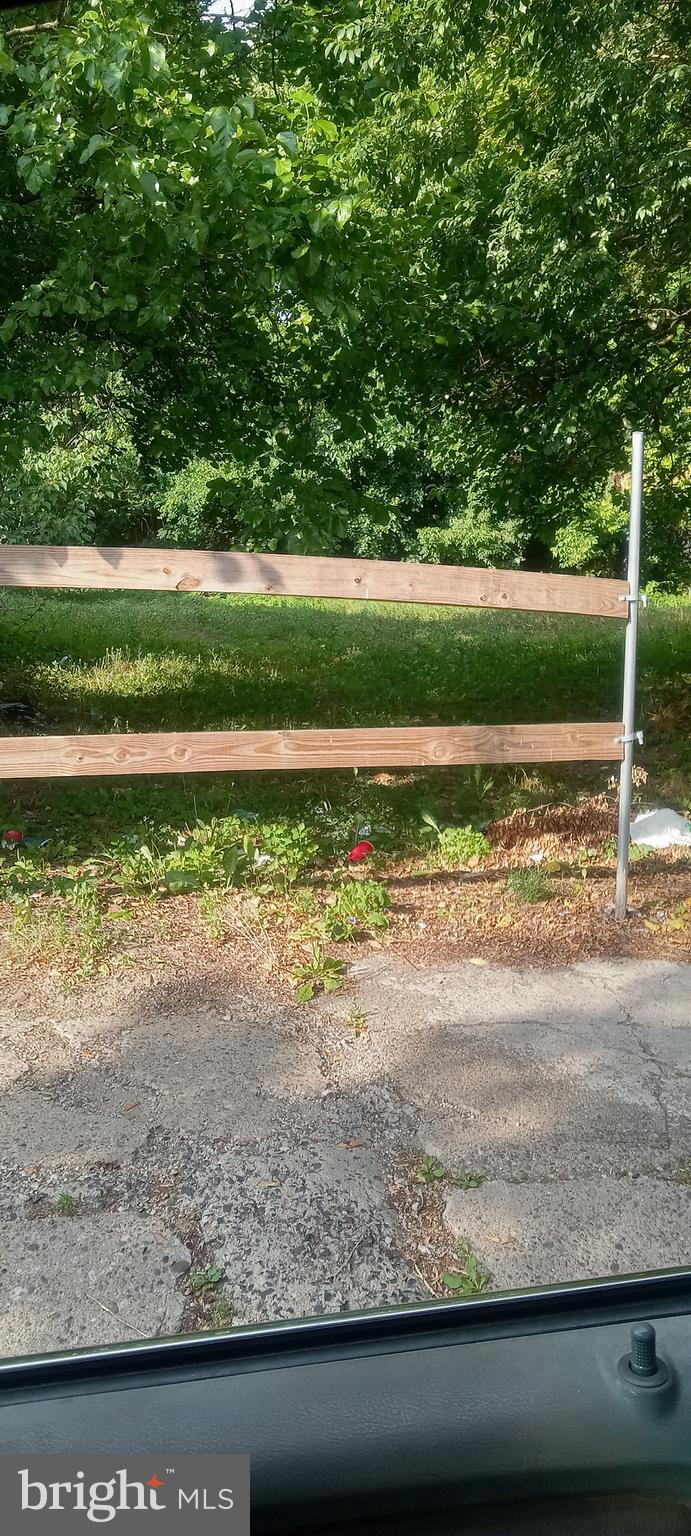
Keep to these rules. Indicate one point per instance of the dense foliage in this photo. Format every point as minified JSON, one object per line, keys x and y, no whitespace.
{"x":391,"y":276}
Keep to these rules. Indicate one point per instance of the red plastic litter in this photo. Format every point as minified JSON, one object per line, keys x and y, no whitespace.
{"x":360,"y":851}
{"x":12,"y":837}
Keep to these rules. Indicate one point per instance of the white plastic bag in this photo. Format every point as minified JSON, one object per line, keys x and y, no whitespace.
{"x":661,"y":829}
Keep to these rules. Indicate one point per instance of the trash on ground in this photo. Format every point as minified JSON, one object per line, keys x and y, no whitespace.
{"x":360,"y":851}
{"x":661,"y":829}
{"x":12,"y":838}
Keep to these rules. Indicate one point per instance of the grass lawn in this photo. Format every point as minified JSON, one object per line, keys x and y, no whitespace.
{"x":113,"y":662}
{"x":102,"y":662}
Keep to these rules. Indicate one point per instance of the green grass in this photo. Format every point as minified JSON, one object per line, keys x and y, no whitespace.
{"x":529,"y":885}
{"x":112,"y":662}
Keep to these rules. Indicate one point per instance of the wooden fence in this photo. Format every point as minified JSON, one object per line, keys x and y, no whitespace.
{"x":303,"y":576}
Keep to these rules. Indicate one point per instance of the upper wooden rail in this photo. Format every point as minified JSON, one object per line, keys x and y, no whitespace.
{"x":50,"y":757}
{"x":186,"y":570}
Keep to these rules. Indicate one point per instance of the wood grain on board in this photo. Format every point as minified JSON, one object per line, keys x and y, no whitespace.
{"x":26,"y":757}
{"x":179,"y":570}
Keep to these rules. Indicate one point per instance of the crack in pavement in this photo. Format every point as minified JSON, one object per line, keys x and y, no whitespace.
{"x":660,"y":1069}
{"x":281,"y":1150}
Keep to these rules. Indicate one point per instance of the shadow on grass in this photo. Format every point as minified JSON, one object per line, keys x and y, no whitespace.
{"x":108,"y":662}
{"x":102,"y":662}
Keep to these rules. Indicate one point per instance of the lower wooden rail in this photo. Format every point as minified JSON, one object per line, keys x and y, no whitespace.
{"x":50,"y":757}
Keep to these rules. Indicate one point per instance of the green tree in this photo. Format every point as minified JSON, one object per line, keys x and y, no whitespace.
{"x":395,"y":276}
{"x":525,"y":171}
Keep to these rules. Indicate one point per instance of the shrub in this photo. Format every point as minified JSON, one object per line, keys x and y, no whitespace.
{"x":473,"y":538}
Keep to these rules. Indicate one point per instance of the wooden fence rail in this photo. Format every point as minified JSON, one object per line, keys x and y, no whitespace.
{"x":187,"y":570}
{"x":49,"y":757}
{"x":296,"y":575}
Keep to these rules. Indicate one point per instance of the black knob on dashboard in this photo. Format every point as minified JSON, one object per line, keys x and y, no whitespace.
{"x":643,"y":1367}
{"x":643,"y":1350}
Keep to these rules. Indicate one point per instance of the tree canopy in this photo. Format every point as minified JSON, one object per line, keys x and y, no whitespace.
{"x":395,"y":277}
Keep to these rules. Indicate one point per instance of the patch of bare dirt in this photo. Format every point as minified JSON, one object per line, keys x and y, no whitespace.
{"x":442,"y":918}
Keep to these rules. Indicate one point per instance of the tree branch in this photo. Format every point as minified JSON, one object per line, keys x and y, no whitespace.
{"x":37,"y":26}
{"x":273,"y":49}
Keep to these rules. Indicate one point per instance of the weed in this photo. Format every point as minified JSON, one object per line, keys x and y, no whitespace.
{"x":89,"y":937}
{"x":637,"y":852}
{"x":464,"y":1179}
{"x":529,"y":885}
{"x":303,"y":902}
{"x":290,"y":846}
{"x":214,"y":854}
{"x":137,"y":870}
{"x":37,"y":937}
{"x":357,"y":907}
{"x":682,"y":1173}
{"x":319,"y":973}
{"x":71,"y":935}
{"x":66,"y":1205}
{"x":222,"y":1315}
{"x":206,"y":1279}
{"x":211,"y":915}
{"x":356,"y":1020}
{"x":430,"y":1170}
{"x":469,"y":1279}
{"x":457,"y":847}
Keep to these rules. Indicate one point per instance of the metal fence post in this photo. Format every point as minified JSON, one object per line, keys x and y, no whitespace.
{"x":629,"y":704}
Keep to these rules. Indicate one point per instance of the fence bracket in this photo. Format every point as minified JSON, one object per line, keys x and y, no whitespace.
{"x":632,"y":736}
{"x":635,"y":597}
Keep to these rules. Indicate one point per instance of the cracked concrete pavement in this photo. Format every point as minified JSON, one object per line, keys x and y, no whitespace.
{"x":193,"y":1125}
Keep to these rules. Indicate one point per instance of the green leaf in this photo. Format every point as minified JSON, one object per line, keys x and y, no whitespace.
{"x":206,"y":1279}
{"x":95,"y":142}
{"x":455,"y":1282}
{"x":158,"y":64}
{"x":327,"y":129}
{"x":180,"y":880}
{"x":112,"y":80}
{"x":304,"y":992}
{"x":150,"y":185}
{"x":289,"y":143}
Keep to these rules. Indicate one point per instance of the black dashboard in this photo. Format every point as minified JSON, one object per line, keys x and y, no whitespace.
{"x":518,"y":1412}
